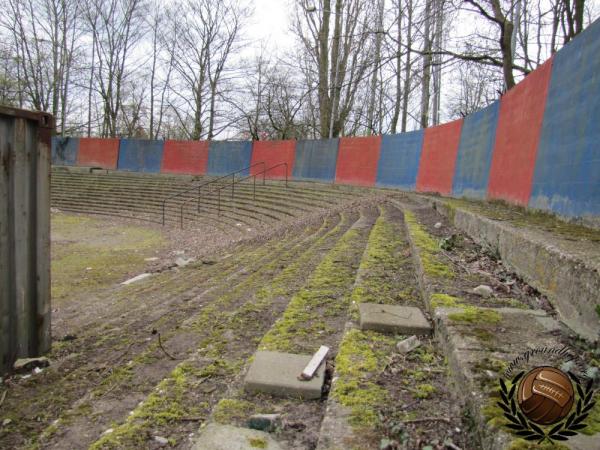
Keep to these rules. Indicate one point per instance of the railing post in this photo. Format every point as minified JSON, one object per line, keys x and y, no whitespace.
{"x":254,"y":187}
{"x":219,"y":203}
{"x":199,"y":187}
{"x":163,"y":213}
{"x":181,"y":216}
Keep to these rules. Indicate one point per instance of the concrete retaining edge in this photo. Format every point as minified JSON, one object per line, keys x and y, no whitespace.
{"x":571,"y":284}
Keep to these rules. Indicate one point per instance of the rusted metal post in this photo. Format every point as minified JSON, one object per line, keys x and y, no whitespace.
{"x":25,"y":158}
{"x":199,"y":194}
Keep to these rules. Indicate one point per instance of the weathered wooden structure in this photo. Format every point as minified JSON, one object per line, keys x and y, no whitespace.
{"x":25,"y":145}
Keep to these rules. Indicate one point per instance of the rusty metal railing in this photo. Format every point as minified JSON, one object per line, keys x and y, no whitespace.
{"x":203,"y":185}
{"x":233,"y":183}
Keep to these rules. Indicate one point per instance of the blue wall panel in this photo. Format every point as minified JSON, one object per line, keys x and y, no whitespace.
{"x":228,"y":156}
{"x":64,"y":151}
{"x":399,"y":160}
{"x":316,"y":159}
{"x":567,"y":169}
{"x":475,"y":150}
{"x":139,"y":155}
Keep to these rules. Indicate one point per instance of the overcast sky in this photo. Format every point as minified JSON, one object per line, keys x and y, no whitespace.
{"x":270,"y":23}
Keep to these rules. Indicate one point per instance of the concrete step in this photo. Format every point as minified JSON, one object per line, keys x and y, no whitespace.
{"x":219,"y":354}
{"x":560,"y":259}
{"x":313,"y":317}
{"x":373,"y":384}
{"x":483,"y":337}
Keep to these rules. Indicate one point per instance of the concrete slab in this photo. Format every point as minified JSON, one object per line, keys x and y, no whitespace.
{"x":277,"y":374}
{"x":227,"y":437}
{"x":393,"y":319}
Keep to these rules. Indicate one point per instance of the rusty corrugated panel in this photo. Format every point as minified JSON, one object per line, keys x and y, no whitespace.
{"x":24,"y":234}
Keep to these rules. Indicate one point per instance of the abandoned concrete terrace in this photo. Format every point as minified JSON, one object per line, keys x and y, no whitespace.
{"x":379,"y":292}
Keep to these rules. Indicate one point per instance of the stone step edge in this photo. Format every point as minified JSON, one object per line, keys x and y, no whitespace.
{"x":488,"y":437}
{"x":231,"y":392}
{"x":570,"y":283}
{"x":335,"y":427}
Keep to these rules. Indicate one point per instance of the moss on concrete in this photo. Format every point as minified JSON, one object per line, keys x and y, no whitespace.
{"x":473,"y":314}
{"x":230,"y":410}
{"x":526,"y":217}
{"x":360,"y":359}
{"x":257,"y":442}
{"x":445,"y":301}
{"x":428,"y":248}
{"x":324,"y":294}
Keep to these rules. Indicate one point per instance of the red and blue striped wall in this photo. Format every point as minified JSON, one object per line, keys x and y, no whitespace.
{"x":538,"y":146}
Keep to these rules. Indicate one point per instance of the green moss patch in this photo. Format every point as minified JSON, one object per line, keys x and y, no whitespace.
{"x":325,"y":294}
{"x":445,"y":301}
{"x":428,"y":248}
{"x":473,"y":314}
{"x":385,"y":258}
{"x":360,"y":359}
{"x":229,"y":410}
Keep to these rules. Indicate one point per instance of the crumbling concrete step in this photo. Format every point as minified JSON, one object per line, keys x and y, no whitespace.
{"x":477,"y":364}
{"x":227,"y":437}
{"x":564,"y":268}
{"x":407,"y":320}
{"x":482,"y":344}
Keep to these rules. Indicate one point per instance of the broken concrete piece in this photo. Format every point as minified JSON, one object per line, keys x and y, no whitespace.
{"x":161,"y":441}
{"x":264,"y":422}
{"x":393,"y":319}
{"x":154,"y":258}
{"x":314,"y":363}
{"x":136,"y":278}
{"x":27,"y":364}
{"x":182,"y":262}
{"x":277,"y":374}
{"x":408,"y":345}
{"x":227,"y":437}
{"x":437,"y":225}
{"x":483,"y":290}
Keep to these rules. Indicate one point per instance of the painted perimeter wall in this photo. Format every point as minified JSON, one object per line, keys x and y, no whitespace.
{"x":538,"y":146}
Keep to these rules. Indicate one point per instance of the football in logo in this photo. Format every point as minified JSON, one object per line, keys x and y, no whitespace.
{"x":545,"y":395}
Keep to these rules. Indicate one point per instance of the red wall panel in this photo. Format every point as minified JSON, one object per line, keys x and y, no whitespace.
{"x":98,"y":153}
{"x":517,"y":137}
{"x":438,"y":158}
{"x":185,"y":157}
{"x":273,"y":153}
{"x":357,"y":160}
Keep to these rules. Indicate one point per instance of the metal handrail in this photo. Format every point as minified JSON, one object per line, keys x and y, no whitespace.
{"x":233,"y":182}
{"x":286,"y":171}
{"x":199,"y":187}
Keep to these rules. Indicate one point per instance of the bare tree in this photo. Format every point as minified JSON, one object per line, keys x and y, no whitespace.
{"x":116,"y":27}
{"x":205,"y":36}
{"x":45,"y":34}
{"x":338,"y":57}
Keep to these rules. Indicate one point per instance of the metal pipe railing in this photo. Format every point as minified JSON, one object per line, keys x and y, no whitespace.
{"x":199,"y":187}
{"x":233,"y":183}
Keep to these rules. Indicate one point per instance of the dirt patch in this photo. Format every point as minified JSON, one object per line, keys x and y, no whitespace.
{"x":473,"y":265}
{"x":423,"y":412}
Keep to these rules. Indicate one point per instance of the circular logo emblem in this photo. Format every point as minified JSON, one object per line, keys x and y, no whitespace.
{"x":545,"y":395}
